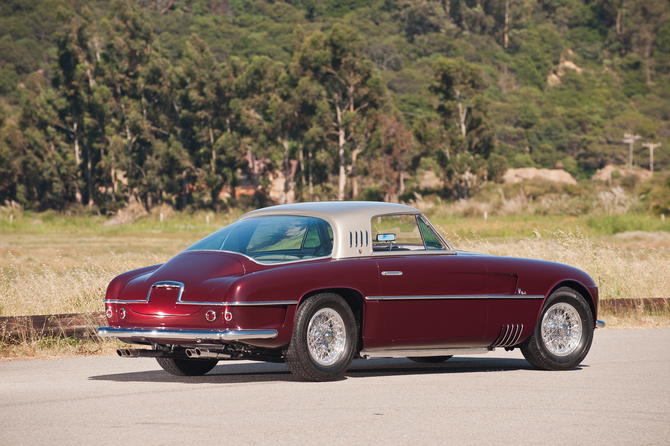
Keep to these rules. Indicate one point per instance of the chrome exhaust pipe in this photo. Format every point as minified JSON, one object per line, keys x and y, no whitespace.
{"x":197,"y":353}
{"x":139,"y":353}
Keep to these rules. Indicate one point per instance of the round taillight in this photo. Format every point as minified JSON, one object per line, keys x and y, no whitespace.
{"x":109,"y":313}
{"x":122,"y":313}
{"x":210,"y":315}
{"x":228,"y":316}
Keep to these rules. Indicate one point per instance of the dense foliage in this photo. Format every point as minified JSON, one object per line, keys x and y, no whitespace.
{"x":178,"y":100}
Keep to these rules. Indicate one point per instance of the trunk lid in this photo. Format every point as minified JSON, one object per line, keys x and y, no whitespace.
{"x":180,"y":286}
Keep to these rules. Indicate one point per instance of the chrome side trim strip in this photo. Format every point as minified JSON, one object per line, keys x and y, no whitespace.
{"x":424,"y":352}
{"x":185,"y":335}
{"x":260,"y":303}
{"x":391,"y":273}
{"x":119,"y":301}
{"x":472,"y":296}
{"x":600,"y":324}
{"x":211,"y":304}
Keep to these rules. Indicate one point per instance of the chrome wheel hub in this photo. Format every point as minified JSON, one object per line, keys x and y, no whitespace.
{"x":561,"y":329}
{"x":326,"y":337}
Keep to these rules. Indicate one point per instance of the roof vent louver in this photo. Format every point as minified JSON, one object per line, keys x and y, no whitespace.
{"x":356,"y":239}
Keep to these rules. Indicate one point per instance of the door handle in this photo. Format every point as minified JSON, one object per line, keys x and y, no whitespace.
{"x":391,"y":273}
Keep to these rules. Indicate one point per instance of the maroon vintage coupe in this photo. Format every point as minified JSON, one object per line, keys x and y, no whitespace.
{"x":316,"y":285}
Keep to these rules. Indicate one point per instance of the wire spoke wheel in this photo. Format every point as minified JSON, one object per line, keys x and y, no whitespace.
{"x":561,"y":329}
{"x":563,"y":334}
{"x":326,"y":337}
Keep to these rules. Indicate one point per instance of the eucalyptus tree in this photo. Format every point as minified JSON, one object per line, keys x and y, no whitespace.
{"x":336,"y":60}
{"x":458,"y":85}
{"x":81,"y":105}
{"x":128,"y":50}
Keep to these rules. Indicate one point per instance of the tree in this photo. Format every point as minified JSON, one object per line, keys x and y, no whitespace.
{"x":336,"y":61}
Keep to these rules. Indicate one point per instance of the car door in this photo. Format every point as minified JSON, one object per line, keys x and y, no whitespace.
{"x":431,"y":296}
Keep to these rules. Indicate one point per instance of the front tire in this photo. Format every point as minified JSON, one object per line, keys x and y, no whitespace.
{"x":187,"y":367}
{"x":563,"y":334}
{"x":324,"y":339}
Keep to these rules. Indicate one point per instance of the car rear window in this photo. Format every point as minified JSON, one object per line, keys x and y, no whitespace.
{"x":272,"y":239}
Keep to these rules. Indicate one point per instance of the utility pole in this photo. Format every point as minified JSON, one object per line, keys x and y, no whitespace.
{"x":651,"y":146}
{"x":629,"y":138}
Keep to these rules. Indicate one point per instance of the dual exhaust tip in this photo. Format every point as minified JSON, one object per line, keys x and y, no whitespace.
{"x":200,"y":353}
{"x":194,"y":353}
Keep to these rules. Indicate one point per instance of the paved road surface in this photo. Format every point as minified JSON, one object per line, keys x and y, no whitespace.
{"x":619,"y":396}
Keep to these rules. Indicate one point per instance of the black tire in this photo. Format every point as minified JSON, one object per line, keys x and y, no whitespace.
{"x":187,"y":367}
{"x":339,"y":349}
{"x":429,"y":359}
{"x":546,"y":355}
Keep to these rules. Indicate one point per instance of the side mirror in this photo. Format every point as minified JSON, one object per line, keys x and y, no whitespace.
{"x":386,"y":237}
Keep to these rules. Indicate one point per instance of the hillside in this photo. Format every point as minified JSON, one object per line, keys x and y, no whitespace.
{"x":192,"y":102}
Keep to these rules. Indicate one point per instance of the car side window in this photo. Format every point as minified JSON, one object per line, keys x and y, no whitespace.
{"x":403,"y":226}
{"x":432,"y":241}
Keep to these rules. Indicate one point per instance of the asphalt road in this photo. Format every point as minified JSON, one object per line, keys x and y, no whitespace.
{"x":619,"y":396}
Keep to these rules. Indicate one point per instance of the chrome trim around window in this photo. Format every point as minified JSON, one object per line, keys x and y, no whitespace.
{"x":196,"y":336}
{"x":472,"y":296}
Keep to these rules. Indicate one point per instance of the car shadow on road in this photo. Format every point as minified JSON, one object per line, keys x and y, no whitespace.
{"x":249,"y":372}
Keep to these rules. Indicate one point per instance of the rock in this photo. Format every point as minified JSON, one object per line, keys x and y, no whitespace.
{"x":530,"y":173}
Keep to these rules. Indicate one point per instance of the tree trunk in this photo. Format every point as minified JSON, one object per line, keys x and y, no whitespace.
{"x":184,"y":188}
{"x":461,"y":112}
{"x":311,"y":181}
{"x":77,"y":159}
{"x":89,"y":174}
{"x":287,"y":169}
{"x":354,"y":173}
{"x":211,"y":142}
{"x":341,"y":142}
{"x":302,"y":170}
{"x":506,"y":38}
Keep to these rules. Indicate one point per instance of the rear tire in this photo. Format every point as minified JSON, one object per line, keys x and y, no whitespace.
{"x":324,"y":339}
{"x":429,"y":359}
{"x":187,"y":367}
{"x":563,"y":334}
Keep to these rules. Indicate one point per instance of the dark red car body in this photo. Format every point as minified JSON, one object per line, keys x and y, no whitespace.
{"x":403,"y":302}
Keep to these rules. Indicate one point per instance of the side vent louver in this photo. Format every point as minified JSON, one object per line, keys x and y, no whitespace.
{"x":357,"y":239}
{"x":509,"y":335}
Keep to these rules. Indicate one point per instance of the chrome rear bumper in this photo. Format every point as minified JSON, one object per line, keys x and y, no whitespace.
{"x":195,"y":336}
{"x":600,"y":324}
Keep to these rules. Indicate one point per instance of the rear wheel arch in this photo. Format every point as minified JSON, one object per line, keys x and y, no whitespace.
{"x":354,"y":299}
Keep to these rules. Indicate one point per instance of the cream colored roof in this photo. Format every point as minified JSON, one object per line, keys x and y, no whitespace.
{"x":350,"y":220}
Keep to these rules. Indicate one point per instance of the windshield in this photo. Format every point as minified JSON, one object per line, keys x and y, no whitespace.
{"x":272,"y":239}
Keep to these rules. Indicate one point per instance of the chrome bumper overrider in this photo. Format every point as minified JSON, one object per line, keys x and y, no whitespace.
{"x":600,"y":324}
{"x":185,"y":335}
